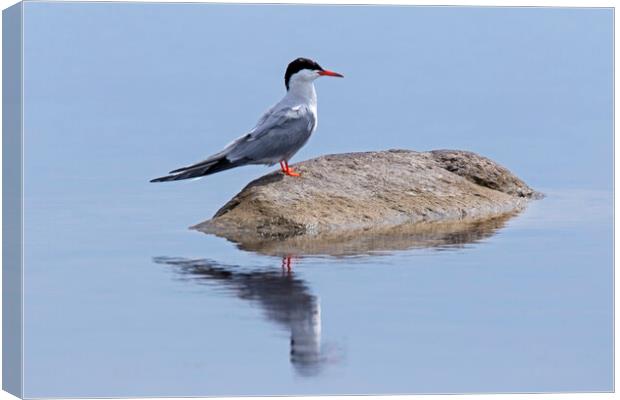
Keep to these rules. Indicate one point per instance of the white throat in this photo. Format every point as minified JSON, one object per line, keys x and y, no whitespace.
{"x":303,"y":91}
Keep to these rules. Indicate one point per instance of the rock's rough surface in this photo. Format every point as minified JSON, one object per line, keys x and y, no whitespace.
{"x":372,"y":190}
{"x":482,"y":171}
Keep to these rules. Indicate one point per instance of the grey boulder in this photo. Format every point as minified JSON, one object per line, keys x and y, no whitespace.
{"x":370,"y":194}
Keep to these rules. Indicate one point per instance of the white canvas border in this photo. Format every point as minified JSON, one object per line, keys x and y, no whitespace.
{"x":477,"y":3}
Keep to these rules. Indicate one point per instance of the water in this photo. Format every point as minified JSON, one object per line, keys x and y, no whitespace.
{"x":122,"y":299}
{"x":143,"y":306}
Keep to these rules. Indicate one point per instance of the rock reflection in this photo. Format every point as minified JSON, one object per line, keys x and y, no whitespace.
{"x":286,"y":300}
{"x":438,"y":235}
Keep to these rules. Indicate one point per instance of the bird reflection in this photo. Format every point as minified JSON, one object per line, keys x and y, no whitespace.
{"x":284,"y":298}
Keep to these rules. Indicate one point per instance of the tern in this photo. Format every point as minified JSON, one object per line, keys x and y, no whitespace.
{"x":279,"y":133}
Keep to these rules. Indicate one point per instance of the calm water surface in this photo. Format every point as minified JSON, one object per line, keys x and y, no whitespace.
{"x":121,"y":303}
{"x":121,"y":299}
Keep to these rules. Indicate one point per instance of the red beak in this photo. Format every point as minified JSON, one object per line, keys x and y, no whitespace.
{"x":330,"y":73}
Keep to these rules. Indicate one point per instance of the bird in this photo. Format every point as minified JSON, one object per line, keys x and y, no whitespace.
{"x":279,"y":133}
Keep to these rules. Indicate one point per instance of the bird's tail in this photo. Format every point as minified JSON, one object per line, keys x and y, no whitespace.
{"x":198,"y":170}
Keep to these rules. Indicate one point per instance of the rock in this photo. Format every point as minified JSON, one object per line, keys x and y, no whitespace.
{"x":378,"y":240}
{"x":482,"y":171}
{"x":369,"y":192}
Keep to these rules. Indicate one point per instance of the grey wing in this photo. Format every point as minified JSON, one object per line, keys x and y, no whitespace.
{"x":278,"y":138}
{"x":223,"y":154}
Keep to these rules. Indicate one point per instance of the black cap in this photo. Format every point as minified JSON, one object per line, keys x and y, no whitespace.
{"x":299,"y":64}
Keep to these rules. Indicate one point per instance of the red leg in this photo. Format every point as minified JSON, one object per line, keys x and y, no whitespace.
{"x":289,"y":171}
{"x":286,"y":265}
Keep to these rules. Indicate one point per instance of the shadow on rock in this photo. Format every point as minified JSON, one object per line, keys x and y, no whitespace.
{"x":438,"y":235}
{"x":285,"y":299}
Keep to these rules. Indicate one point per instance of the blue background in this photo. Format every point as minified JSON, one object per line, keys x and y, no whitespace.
{"x":117,"y":94}
{"x":143,"y":88}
